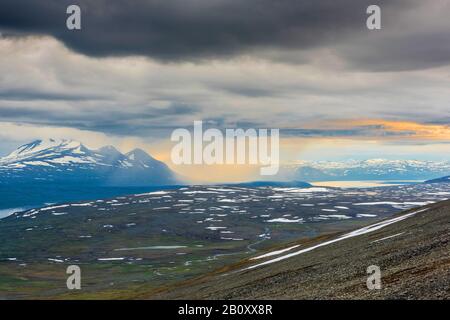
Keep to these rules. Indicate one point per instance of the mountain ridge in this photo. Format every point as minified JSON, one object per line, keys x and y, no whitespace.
{"x":62,"y":160}
{"x":370,"y":169}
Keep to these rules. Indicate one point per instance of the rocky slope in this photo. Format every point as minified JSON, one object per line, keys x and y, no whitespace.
{"x":412,"y":250}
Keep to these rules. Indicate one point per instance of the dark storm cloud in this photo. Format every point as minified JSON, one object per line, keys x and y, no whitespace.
{"x":193,"y":29}
{"x":401,"y":52}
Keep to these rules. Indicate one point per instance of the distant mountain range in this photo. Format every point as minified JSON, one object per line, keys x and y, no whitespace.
{"x":68,"y":161}
{"x":373,"y":169}
{"x":48,"y":171}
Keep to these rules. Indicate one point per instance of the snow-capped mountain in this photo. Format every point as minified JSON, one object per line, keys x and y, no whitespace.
{"x":68,"y":161}
{"x":372,"y":169}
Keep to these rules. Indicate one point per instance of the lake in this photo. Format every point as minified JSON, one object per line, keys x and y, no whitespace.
{"x":364,"y":183}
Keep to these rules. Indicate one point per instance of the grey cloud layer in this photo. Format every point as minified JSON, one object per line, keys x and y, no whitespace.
{"x":327,"y":71}
{"x":143,"y":121}
{"x":135,"y":96}
{"x":180,"y":30}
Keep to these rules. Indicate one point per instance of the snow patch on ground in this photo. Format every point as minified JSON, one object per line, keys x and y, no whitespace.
{"x":389,"y":237}
{"x":358,"y":232}
{"x":284,"y":220}
{"x":275,"y":253}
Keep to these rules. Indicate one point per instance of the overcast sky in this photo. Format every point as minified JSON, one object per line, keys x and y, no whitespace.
{"x":138,"y":70}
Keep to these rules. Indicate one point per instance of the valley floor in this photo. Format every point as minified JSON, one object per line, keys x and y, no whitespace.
{"x":202,"y":243}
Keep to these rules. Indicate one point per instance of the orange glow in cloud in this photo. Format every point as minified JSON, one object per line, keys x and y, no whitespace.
{"x":404,"y":129}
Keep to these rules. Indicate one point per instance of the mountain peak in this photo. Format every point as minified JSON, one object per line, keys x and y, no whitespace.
{"x":109,"y":151}
{"x":139,"y":155}
{"x":40,"y":146}
{"x":108,"y":147}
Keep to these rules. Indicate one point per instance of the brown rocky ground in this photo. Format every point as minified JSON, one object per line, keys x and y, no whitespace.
{"x":414,"y":262}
